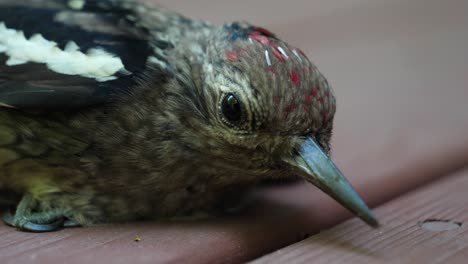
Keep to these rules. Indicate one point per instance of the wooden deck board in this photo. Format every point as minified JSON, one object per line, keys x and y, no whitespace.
{"x":404,"y":236}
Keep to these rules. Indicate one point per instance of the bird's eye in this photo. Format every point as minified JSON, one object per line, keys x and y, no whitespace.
{"x":231,"y":108}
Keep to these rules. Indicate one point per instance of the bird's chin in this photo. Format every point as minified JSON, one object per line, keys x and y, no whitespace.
{"x":282,"y":178}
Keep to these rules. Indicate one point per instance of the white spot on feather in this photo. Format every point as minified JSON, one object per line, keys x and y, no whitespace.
{"x":14,"y":62}
{"x":6,"y":105}
{"x":156,"y":61}
{"x":267,"y":56}
{"x":96,"y":63}
{"x":297,"y":54}
{"x":76,"y":4}
{"x":283,"y":52}
{"x":71,"y":47}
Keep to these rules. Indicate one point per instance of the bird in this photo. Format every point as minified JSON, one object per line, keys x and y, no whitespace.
{"x":119,"y":110}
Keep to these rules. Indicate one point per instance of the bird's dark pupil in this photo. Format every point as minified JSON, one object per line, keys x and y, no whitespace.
{"x":231,"y":108}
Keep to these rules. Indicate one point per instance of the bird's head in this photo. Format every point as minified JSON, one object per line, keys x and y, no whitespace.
{"x":260,"y":108}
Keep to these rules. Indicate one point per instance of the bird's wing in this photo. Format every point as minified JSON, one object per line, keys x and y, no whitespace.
{"x":56,"y":54}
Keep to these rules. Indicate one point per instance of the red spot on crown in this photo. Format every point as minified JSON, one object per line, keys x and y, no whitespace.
{"x":308,"y":98}
{"x":289,"y":109}
{"x":232,"y":56}
{"x":265,"y":32}
{"x":327,"y":94}
{"x":260,"y":38}
{"x":306,"y":108}
{"x":276,"y":99}
{"x":325,"y":116}
{"x":295,"y":78}
{"x":321,"y":99}
{"x":314,"y":92}
{"x":272,"y":70}
{"x":278,"y":55}
{"x":274,"y":45}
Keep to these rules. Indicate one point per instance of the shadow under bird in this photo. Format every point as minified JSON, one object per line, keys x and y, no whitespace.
{"x":114,"y":110}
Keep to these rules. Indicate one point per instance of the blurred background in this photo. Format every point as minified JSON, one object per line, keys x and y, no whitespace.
{"x":399,"y":68}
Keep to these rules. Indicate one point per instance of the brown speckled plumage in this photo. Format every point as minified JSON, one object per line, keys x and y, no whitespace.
{"x":163,"y":148}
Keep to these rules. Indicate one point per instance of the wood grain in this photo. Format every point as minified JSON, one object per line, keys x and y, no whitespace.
{"x":403,"y":236}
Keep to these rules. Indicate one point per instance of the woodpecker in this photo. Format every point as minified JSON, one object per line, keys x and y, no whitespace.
{"x":117,"y":110}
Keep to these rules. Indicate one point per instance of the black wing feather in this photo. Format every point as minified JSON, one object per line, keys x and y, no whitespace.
{"x":33,"y":85}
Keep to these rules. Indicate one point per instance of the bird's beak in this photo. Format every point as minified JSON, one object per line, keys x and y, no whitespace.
{"x":316,"y":167}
